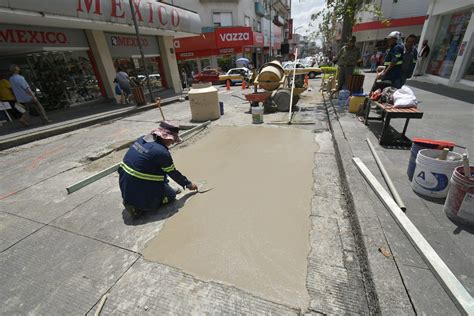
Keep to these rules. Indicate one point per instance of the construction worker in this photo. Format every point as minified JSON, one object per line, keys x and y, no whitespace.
{"x":410,"y":55}
{"x":143,"y":174}
{"x":347,"y":60}
{"x":393,"y":61}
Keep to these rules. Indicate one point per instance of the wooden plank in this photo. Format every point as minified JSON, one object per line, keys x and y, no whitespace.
{"x":460,"y":296}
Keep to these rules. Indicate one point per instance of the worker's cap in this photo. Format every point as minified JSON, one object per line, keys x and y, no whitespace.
{"x":394,"y":34}
{"x":167,"y":130}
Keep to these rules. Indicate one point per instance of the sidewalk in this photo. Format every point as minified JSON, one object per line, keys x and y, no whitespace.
{"x":402,"y":277}
{"x":64,"y":120}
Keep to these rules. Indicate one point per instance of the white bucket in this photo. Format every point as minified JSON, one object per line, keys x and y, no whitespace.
{"x":431,"y":176}
{"x":257,"y":114}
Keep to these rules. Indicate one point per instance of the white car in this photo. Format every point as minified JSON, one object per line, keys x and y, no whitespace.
{"x":235,"y":75}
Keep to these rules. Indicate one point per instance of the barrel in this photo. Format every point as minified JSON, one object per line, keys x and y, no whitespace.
{"x":431,"y":176}
{"x":355,"y":83}
{"x":270,"y":75}
{"x":459,"y":205}
{"x":424,"y":143}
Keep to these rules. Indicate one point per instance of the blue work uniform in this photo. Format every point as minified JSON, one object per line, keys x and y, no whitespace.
{"x":143,"y":175}
{"x":394,"y":55}
{"x":409,"y":63}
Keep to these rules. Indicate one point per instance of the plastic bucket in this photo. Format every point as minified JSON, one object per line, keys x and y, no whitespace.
{"x":431,"y":177}
{"x":343,"y":98}
{"x":424,"y":143}
{"x":221,"y":107}
{"x":459,"y":205}
{"x":257,"y":114}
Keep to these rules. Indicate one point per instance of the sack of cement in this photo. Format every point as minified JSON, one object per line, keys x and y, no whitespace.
{"x":404,"y":98}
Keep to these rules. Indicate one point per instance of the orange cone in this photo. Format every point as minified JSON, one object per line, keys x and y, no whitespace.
{"x":227,"y":85}
{"x":244,"y":86}
{"x":306,"y":80}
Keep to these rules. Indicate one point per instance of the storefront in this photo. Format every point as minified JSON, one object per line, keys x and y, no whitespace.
{"x":57,"y":63}
{"x":69,"y":50}
{"x":449,"y":32}
{"x":126,"y":56}
{"x":218,"y":49}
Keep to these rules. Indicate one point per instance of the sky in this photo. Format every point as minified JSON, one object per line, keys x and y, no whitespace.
{"x":301,"y":11}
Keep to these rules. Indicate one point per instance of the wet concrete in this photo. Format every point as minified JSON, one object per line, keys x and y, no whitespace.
{"x":252,"y":229}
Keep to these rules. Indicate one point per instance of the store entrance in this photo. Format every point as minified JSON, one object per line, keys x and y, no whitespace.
{"x":59,"y":78}
{"x":133,"y":66}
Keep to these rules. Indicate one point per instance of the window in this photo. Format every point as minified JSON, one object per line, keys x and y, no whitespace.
{"x":222,"y":18}
{"x":259,"y":27}
{"x":247,"y":21}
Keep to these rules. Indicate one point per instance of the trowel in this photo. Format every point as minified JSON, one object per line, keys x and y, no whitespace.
{"x":202,"y":187}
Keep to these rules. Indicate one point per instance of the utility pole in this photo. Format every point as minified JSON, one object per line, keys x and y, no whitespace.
{"x":137,"y":33}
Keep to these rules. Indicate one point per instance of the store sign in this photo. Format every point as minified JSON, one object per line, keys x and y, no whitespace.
{"x":258,"y":39}
{"x":148,"y":13}
{"x":234,"y":36}
{"x":126,"y":45}
{"x":28,"y":36}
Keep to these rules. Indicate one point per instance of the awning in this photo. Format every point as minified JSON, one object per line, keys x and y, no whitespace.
{"x":109,"y":15}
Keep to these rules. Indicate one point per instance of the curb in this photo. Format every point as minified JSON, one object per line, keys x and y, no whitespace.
{"x":87,"y":121}
{"x":385,"y":290}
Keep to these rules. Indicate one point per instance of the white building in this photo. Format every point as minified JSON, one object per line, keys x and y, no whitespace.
{"x":405,"y":16}
{"x":69,"y":50}
{"x":449,"y":31}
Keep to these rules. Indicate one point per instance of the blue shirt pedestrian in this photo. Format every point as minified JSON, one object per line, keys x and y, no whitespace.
{"x":394,"y":55}
{"x":20,"y":88}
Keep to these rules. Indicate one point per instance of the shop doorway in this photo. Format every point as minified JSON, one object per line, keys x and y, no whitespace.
{"x":134,"y":67}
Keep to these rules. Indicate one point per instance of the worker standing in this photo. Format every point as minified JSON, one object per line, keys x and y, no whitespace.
{"x":393,"y":61}
{"x":410,"y":55}
{"x":347,"y":60}
{"x":143,"y":174}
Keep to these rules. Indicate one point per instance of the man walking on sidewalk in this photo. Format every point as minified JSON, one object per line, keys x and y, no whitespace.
{"x":346,"y":60}
{"x":393,"y":61}
{"x":25,"y":96}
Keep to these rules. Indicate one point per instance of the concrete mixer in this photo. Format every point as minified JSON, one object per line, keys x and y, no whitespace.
{"x":277,"y":90}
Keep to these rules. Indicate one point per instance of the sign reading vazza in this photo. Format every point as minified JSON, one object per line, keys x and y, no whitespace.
{"x":149,"y":13}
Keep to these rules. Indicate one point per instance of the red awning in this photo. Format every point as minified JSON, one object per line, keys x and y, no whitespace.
{"x":375,"y":25}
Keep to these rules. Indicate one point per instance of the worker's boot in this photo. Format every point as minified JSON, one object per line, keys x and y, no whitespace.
{"x":133,"y":211}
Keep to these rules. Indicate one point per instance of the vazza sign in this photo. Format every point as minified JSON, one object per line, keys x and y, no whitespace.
{"x":149,"y":13}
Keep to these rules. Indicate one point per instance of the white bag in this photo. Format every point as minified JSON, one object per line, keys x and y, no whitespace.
{"x":404,"y":98}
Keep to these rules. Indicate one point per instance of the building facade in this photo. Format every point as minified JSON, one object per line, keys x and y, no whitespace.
{"x":405,"y":16}
{"x":254,"y":29}
{"x":449,"y":31}
{"x":70,"y":50}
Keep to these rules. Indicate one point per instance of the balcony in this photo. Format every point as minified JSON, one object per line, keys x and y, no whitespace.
{"x":259,"y":9}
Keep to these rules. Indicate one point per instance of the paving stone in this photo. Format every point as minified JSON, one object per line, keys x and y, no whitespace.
{"x":61,"y":273}
{"x":14,"y":229}
{"x":427,"y":295}
{"x":158,"y":289}
{"x":327,"y":206}
{"x":335,"y":290}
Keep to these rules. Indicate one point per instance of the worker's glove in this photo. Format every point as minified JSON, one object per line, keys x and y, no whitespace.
{"x":192,"y":187}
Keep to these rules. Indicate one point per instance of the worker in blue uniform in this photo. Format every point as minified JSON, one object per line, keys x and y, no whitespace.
{"x":143,"y":174}
{"x":393,"y":61}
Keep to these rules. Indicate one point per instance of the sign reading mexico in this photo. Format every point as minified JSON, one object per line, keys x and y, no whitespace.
{"x":234,"y":36}
{"x":38,"y":36}
{"x":152,"y":14}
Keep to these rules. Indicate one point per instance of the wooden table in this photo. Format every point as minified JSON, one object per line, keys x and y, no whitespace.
{"x":388,"y":113}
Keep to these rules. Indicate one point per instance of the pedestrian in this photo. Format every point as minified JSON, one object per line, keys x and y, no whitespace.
{"x":25,"y":96}
{"x":143,"y":174}
{"x":423,"y":56}
{"x":124,"y":83}
{"x":393,"y":61}
{"x":410,"y":55}
{"x":119,"y":92}
{"x":373,"y":63}
{"x":6,"y":95}
{"x":366,"y":59}
{"x":347,"y":59}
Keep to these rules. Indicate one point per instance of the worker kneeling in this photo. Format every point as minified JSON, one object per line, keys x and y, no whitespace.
{"x":143,"y":174}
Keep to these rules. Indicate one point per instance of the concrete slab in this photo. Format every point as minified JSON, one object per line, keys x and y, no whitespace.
{"x":14,"y":228}
{"x":330,"y":252}
{"x":61,"y":273}
{"x":234,"y":232}
{"x":326,"y":175}
{"x":157,"y":289}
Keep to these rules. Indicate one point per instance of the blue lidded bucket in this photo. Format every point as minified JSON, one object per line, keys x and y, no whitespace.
{"x":423,"y":143}
{"x":221,"y":107}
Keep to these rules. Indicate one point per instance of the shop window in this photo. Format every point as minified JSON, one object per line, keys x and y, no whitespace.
{"x":469,"y":72}
{"x":447,"y":43}
{"x":136,"y":71}
{"x":247,"y":21}
{"x":222,"y":18}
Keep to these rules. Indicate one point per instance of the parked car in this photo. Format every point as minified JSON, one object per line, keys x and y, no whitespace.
{"x":209,"y":75}
{"x":236,"y":75}
{"x":301,"y":69}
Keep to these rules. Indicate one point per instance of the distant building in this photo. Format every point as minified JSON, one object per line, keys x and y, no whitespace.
{"x":449,"y":30}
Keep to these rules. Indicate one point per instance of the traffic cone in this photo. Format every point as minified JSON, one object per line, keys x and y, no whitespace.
{"x":244,"y":86}
{"x":227,"y":85}
{"x":306,"y":80}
